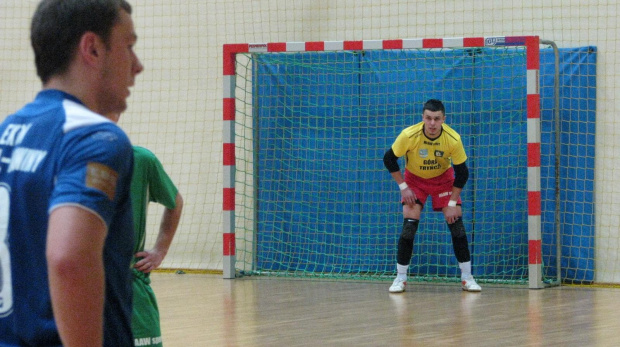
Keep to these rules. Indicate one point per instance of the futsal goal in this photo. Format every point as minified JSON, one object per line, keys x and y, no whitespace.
{"x":305,"y":127}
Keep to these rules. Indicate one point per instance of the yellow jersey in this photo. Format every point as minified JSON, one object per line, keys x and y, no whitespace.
{"x":429,"y":158}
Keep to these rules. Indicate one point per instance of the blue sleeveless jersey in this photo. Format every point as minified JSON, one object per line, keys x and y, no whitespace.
{"x":56,"y":152}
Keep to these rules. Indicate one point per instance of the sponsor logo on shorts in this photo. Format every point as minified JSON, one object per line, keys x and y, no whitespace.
{"x":147,"y":341}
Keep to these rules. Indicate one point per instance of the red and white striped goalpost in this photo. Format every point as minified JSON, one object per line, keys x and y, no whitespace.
{"x":531,"y":44}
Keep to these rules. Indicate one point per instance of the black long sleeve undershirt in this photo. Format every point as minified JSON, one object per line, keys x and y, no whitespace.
{"x":461,"y":175}
{"x":390,"y":160}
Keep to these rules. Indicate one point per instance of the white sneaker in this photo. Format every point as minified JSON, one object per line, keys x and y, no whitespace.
{"x":469,"y":284}
{"x":398,"y":286}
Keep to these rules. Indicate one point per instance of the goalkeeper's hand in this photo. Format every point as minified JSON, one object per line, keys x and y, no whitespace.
{"x":452,"y":213}
{"x":408,"y":196}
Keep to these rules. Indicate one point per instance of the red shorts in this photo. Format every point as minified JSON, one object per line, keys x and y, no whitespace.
{"x":439,"y":188}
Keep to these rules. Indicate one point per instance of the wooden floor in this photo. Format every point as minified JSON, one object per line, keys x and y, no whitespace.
{"x":207,"y":310}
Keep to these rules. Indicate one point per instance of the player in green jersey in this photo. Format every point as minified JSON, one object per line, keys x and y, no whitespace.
{"x":150,"y":183}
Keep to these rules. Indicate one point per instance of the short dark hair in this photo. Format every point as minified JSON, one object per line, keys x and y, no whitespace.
{"x":58,"y":25}
{"x":434,"y":105}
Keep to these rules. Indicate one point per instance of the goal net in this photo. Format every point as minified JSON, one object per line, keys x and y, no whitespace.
{"x":306,"y":126}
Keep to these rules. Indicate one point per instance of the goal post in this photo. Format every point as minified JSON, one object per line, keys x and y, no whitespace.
{"x":305,"y":125}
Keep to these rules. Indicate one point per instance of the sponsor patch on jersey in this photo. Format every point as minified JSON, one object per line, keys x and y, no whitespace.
{"x":423,"y":153}
{"x":101,"y":177}
{"x":438,"y":153}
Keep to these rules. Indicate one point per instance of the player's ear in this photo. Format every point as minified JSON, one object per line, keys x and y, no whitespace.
{"x":90,"y":48}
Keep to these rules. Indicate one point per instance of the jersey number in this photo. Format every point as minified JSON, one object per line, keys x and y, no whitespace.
{"x":6,"y":286}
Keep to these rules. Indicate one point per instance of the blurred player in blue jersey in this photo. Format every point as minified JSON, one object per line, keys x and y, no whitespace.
{"x":66,"y":229}
{"x":435,"y":167}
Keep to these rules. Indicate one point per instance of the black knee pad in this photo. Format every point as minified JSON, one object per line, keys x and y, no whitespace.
{"x":405,"y":242}
{"x":410,"y":227}
{"x":459,"y":241}
{"x":457,"y":228}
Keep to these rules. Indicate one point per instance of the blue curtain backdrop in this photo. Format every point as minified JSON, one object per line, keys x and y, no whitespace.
{"x":334,"y":209}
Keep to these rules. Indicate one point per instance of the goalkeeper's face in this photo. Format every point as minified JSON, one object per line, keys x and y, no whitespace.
{"x":432,"y":123}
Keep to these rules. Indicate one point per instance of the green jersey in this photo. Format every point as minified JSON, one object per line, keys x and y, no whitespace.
{"x":150,"y":183}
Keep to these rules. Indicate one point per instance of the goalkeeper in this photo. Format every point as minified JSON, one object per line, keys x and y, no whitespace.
{"x":435,"y":166}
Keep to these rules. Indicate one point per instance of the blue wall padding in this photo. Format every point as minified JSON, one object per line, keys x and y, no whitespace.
{"x":336,"y":209}
{"x":577,"y":124}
